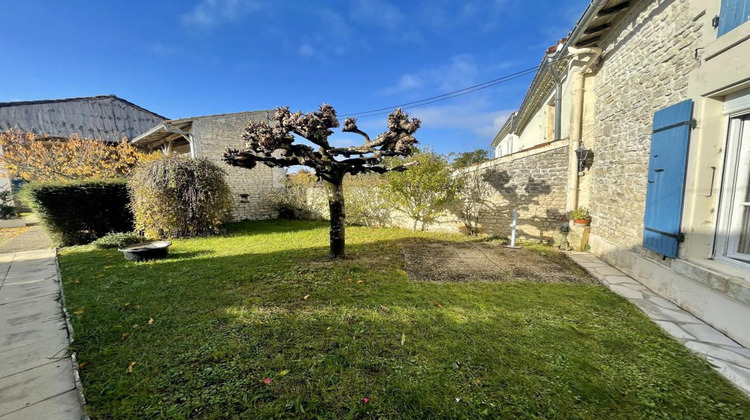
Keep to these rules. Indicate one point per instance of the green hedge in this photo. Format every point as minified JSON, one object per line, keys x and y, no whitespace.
{"x":78,"y":212}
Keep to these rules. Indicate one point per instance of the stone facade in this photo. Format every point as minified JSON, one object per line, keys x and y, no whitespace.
{"x":212,"y":136}
{"x":645,"y":67}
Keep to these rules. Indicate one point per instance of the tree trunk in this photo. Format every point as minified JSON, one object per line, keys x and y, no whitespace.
{"x":336,"y":207}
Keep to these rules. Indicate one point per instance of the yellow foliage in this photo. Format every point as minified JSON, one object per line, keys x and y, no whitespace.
{"x":47,"y":159}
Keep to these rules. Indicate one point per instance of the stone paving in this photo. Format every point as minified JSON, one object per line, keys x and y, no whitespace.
{"x":36,"y":371}
{"x":728,"y":357}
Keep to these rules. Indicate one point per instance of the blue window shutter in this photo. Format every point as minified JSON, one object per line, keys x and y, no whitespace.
{"x":733,"y":14}
{"x":666,"y":178}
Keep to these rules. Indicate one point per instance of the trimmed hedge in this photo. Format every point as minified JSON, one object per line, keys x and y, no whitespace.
{"x":78,"y":212}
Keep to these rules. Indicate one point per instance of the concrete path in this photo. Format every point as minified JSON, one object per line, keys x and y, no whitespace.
{"x":36,"y":372}
{"x":728,"y":357}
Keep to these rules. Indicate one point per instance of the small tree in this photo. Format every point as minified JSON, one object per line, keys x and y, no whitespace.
{"x":276,"y":147}
{"x":464,"y":159}
{"x":177,"y":197}
{"x":33,"y":159}
{"x":473,"y":195}
{"x":425,"y":191}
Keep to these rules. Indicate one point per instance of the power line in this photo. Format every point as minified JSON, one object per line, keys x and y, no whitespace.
{"x":445,"y":96}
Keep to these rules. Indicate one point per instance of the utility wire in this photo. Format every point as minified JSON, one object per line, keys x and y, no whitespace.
{"x":445,"y":96}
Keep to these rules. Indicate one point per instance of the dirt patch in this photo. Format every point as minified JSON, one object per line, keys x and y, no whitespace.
{"x":461,"y":262}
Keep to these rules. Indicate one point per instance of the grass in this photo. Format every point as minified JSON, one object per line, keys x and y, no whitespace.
{"x":207,"y":326}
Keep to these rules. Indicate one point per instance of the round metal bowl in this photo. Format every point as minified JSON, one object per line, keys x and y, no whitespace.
{"x":146,"y":251}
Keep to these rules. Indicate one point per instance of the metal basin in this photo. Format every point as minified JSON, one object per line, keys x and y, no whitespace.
{"x":146,"y":251}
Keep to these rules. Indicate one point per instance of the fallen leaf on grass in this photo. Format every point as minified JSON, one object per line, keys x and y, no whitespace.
{"x":385,"y":308}
{"x":438,"y":304}
{"x":130,"y":368}
{"x":151,"y":321}
{"x":306,"y":297}
{"x":284,"y":372}
{"x":403,"y":338}
{"x":80,"y":311}
{"x":359,"y":282}
{"x":82,"y":365}
{"x":124,"y":336}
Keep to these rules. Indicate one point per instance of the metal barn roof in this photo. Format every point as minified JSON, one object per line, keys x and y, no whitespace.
{"x":107,"y":117}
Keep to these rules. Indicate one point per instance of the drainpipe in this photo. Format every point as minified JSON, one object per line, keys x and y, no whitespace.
{"x":576,"y":123}
{"x":558,"y":98}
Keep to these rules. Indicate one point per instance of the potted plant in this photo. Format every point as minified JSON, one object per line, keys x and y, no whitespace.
{"x":581,"y":216}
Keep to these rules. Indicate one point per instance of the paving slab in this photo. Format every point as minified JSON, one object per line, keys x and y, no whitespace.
{"x":36,"y":370}
{"x":725,"y":355}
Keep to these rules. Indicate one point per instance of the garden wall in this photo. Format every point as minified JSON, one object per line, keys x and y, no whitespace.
{"x":532,"y":181}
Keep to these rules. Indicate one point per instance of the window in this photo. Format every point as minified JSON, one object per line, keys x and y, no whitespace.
{"x":734,"y":227}
{"x":733,"y":14}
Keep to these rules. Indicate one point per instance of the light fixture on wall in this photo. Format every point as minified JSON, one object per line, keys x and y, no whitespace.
{"x":583,"y":154}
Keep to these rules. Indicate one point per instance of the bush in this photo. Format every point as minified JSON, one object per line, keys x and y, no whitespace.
{"x":7,"y":210}
{"x":176,"y":197}
{"x":78,"y":212}
{"x":298,"y":200}
{"x":118,"y":240}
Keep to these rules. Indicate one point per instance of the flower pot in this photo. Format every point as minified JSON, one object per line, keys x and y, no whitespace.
{"x":146,"y":251}
{"x":581,"y":222}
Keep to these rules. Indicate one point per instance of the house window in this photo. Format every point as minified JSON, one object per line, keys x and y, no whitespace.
{"x":733,"y":14}
{"x":734,"y":229}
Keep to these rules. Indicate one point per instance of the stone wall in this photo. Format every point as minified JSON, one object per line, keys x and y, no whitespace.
{"x":250,"y":187}
{"x":644,"y":68}
{"x":533,"y":182}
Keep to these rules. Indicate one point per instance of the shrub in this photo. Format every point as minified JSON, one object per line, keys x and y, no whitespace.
{"x":298,"y":199}
{"x":78,"y":212}
{"x":177,"y":197}
{"x":118,"y":240}
{"x":35,"y":158}
{"x":365,"y":200}
{"x":424,"y":191}
{"x":7,"y":210}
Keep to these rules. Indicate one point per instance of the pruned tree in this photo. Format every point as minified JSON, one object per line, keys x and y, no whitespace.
{"x":275,"y":145}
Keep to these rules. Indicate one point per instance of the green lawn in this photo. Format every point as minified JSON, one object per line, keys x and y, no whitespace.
{"x":207,"y":326}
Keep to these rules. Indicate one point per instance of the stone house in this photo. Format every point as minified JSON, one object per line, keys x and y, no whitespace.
{"x":656,"y":94}
{"x":209,"y":136}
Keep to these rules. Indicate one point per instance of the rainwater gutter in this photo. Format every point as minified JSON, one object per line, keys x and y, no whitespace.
{"x":578,"y":96}
{"x":576,"y":120}
{"x":558,"y":98}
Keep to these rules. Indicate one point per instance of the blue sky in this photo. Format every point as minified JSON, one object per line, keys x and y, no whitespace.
{"x":201,"y":57}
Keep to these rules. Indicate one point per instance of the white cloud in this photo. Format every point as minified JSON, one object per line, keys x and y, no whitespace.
{"x":460,"y":72}
{"x":377,"y":13}
{"x":209,"y":13}
{"x":470,"y":116}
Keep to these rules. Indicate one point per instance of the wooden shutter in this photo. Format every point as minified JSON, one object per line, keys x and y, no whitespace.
{"x":666,"y":178}
{"x":733,"y":14}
